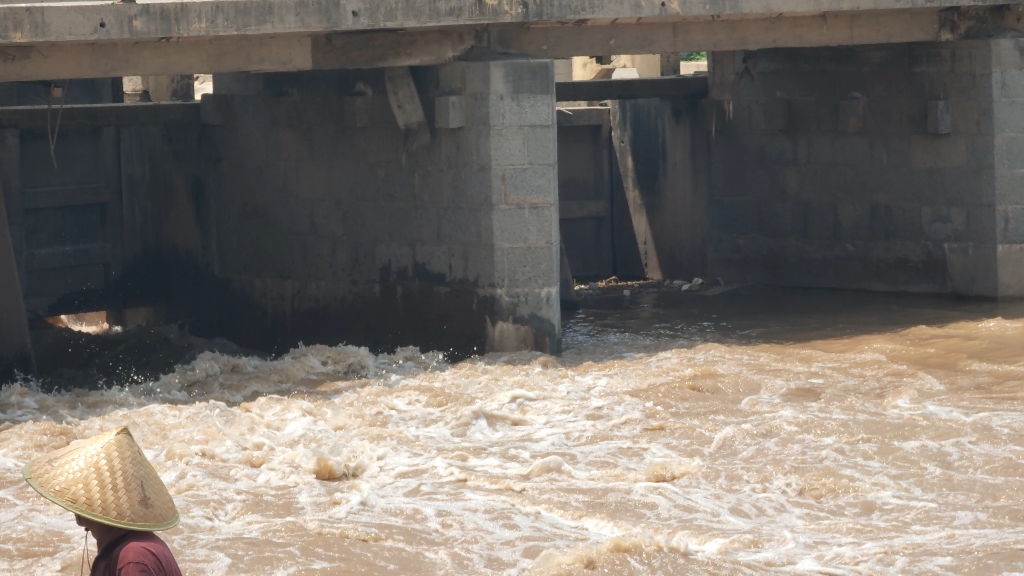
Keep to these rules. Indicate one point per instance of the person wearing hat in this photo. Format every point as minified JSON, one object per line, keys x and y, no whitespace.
{"x":117,"y":496}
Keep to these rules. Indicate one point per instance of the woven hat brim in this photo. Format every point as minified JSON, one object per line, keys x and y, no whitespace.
{"x":94,"y":516}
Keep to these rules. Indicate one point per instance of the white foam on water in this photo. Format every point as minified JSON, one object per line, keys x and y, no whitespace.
{"x":839,"y":457}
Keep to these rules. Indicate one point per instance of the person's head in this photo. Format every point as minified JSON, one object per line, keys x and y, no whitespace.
{"x":86,"y":523}
{"x":101,"y":532}
{"x":107,"y":482}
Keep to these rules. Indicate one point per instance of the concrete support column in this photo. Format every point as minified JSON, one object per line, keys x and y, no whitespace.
{"x":510,"y":118}
{"x":992,"y":262}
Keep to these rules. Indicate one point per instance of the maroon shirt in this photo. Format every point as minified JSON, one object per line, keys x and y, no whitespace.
{"x":135,"y":554}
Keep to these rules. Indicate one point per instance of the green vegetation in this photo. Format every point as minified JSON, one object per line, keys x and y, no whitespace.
{"x":694,"y":57}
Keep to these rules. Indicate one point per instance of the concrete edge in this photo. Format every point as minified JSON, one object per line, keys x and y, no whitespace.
{"x":22,"y":24}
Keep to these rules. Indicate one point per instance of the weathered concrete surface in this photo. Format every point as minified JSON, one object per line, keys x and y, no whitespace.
{"x":824,"y":172}
{"x":149,"y":175}
{"x":662,"y":159}
{"x":992,"y":263}
{"x":986,"y":269}
{"x":296,"y":211}
{"x":74,"y":22}
{"x":15,"y":344}
{"x":336,"y":231}
{"x":585,"y":199}
{"x":39,"y":41}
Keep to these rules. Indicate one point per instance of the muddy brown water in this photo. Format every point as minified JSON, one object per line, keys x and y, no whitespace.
{"x":761,"y":431}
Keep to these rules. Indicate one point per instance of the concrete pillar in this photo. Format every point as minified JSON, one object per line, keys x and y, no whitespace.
{"x":330,"y":228}
{"x":510,"y":111}
{"x":992,"y":262}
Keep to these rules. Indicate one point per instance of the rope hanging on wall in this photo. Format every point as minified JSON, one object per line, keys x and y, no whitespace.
{"x":52,"y":136}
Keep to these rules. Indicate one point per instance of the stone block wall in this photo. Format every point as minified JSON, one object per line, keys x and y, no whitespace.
{"x":335,"y":230}
{"x":824,"y":171}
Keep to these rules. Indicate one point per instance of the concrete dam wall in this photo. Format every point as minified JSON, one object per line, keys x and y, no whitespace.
{"x":420,"y":205}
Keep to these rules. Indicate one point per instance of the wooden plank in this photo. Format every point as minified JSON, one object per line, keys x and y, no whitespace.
{"x":583,"y":116}
{"x":66,"y":257}
{"x":15,"y":340}
{"x":406,"y":105}
{"x":622,"y":143}
{"x":628,"y":263}
{"x":34,"y":198}
{"x":577,"y":209}
{"x":93,"y":115}
{"x":632,"y":89}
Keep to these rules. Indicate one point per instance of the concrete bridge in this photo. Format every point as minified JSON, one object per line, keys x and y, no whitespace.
{"x":48,"y":40}
{"x":389,"y":172}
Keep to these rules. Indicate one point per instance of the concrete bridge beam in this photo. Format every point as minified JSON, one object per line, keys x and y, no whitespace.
{"x":29,"y":54}
{"x":57,"y":21}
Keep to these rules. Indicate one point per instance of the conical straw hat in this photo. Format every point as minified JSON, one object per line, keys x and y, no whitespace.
{"x":107,"y":479}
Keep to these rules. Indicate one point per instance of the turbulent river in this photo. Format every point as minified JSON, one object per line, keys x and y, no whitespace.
{"x":760,"y":431}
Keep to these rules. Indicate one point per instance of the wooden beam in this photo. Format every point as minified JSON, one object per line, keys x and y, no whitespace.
{"x":15,"y":341}
{"x":622,"y":142}
{"x":632,"y":89}
{"x":406,"y":105}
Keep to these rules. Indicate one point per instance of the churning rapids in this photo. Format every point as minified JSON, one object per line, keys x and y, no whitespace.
{"x":760,"y":431}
